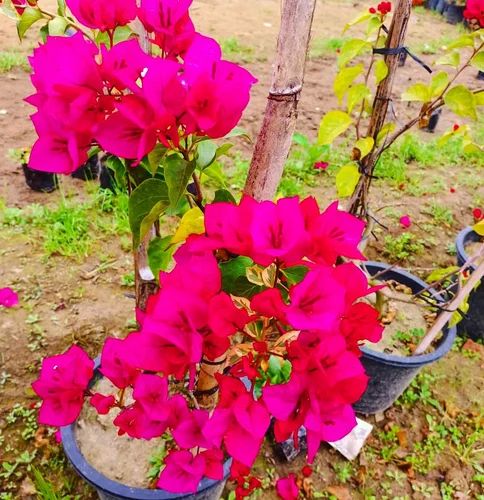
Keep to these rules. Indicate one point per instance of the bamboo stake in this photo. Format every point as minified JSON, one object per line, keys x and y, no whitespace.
{"x":445,"y":316}
{"x":396,"y":36}
{"x":275,"y":136}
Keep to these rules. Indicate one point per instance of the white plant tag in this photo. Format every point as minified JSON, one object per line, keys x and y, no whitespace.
{"x":351,"y":445}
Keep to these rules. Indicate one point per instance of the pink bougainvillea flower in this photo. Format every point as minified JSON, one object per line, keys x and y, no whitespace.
{"x":286,"y":488}
{"x":8,"y":298}
{"x":224,"y":317}
{"x":182,"y":473}
{"x":269,"y":303}
{"x":61,"y":385}
{"x":58,"y":436}
{"x":321,"y":165}
{"x":134,"y":422}
{"x":245,"y":368}
{"x":278,"y":232}
{"x":239,"y":421}
{"x":405,"y":221}
{"x":117,"y":362}
{"x":189,"y":431}
{"x":307,"y":470}
{"x":228,"y":225}
{"x":151,"y":392}
{"x":102,"y":403}
{"x":317,"y":302}
{"x":123,"y":64}
{"x":103,"y":15}
{"x":334,"y":234}
{"x":214,"y":467}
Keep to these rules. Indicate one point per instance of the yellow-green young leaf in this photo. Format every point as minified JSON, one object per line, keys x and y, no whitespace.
{"x":445,"y":138}
{"x":388,"y":128}
{"x":479,"y":96}
{"x":470,"y":147}
{"x":345,"y":78}
{"x":441,"y":273}
{"x":192,"y":222}
{"x":438,"y":83}
{"x":333,"y":124}
{"x":57,"y":26}
{"x":381,"y":70}
{"x":462,"y":41}
{"x":356,"y":94}
{"x":373,"y":24}
{"x":479,"y":228}
{"x":360,"y":19}
{"x":365,"y":145}
{"x":418,"y":92}
{"x":457,"y":316}
{"x":478,"y":61}
{"x":29,"y":17}
{"x":450,"y":59}
{"x":346,"y":180}
{"x":350,"y":49}
{"x":461,"y":101}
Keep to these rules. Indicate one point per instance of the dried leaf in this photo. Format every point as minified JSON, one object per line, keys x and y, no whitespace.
{"x":340,"y":492}
{"x":402,"y":438}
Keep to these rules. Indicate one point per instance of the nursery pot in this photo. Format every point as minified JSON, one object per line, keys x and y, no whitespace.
{"x":106,"y":179}
{"x":441,"y":6}
{"x":454,"y":14}
{"x":89,"y":171}
{"x":109,"y":489}
{"x":391,"y":374}
{"x":44,"y":182}
{"x":433,"y":121}
{"x":432,"y":4}
{"x":473,"y":324}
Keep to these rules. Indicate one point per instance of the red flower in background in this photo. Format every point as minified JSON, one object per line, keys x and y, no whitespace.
{"x":384,"y":8}
{"x":478,"y":214}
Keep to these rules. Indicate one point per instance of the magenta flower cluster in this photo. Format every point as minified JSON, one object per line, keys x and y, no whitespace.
{"x":124,"y":100}
{"x":315,"y":322}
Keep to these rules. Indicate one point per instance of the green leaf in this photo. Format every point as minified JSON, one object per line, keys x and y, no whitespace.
{"x":449,"y":59}
{"x":160,"y":253}
{"x":223,"y":149}
{"x":301,"y":139}
{"x":478,"y":61}
{"x":238,"y":132}
{"x":479,"y":96}
{"x":438,"y":84}
{"x":346,"y":180}
{"x":333,"y":124}
{"x":177,"y":174}
{"x":381,"y":71}
{"x":344,"y":79}
{"x":356,"y":94}
{"x":207,"y":151}
{"x":192,"y":222}
{"x":440,"y":273}
{"x":146,"y":203}
{"x":374,"y":24}
{"x":155,"y":156}
{"x":27,"y":19}
{"x":350,"y":49}
{"x":118,"y":168}
{"x":57,"y":26}
{"x":461,"y":101}
{"x":223,"y":195}
{"x":121,"y":34}
{"x":61,"y":8}
{"x":254,"y":275}
{"x":388,"y":128}
{"x":294,"y":274}
{"x":364,"y":145}
{"x":234,"y":279}
{"x":214,"y":171}
{"x":278,"y":370}
{"x":418,"y":92}
{"x":462,"y":41}
{"x":360,"y":19}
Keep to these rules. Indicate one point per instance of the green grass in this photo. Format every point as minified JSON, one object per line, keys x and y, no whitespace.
{"x":321,"y":47}
{"x":12,"y":60}
{"x":233,"y":50}
{"x":403,"y":247}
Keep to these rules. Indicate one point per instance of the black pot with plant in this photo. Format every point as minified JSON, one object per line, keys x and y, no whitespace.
{"x":42,"y":182}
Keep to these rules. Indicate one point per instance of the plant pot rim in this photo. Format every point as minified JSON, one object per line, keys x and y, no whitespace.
{"x":465,"y":236}
{"x":442,"y":347}
{"x":110,"y":487}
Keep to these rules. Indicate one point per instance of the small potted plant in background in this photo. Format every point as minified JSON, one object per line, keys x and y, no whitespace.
{"x":364,"y":90}
{"x":44,"y":182}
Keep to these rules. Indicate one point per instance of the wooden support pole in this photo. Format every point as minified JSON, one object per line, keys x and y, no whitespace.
{"x":396,"y":37}
{"x":275,"y":136}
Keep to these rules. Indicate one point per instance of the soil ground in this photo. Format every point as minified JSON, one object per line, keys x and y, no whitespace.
{"x":428,"y":445}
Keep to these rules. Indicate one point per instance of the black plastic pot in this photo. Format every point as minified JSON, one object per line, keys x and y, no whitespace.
{"x":441,"y":6}
{"x":480,"y":75}
{"x":473,"y":324}
{"x":390,"y":374}
{"x":89,"y":171}
{"x":454,"y":14}
{"x":43,"y":182}
{"x":106,"y":179}
{"x":108,"y":489}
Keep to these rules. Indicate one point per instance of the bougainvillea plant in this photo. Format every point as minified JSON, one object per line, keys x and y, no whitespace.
{"x":265,"y":294}
{"x":362,"y":72}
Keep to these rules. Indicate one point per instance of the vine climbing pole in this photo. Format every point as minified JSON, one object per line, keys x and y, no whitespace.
{"x":274,"y":139}
{"x":396,"y":36}
{"x":275,"y":136}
